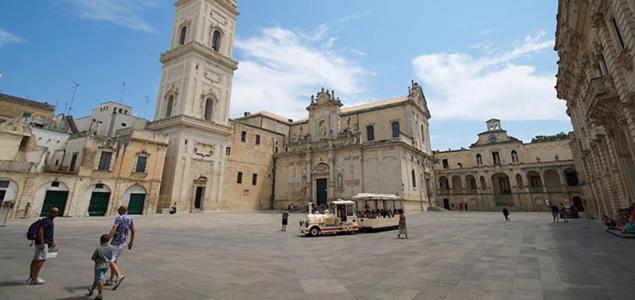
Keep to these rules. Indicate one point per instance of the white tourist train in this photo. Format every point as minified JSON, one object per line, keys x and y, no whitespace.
{"x":377,"y":212}
{"x":374,"y":212}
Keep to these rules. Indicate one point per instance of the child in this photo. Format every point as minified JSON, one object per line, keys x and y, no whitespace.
{"x":285,"y":220}
{"x":102,"y":257}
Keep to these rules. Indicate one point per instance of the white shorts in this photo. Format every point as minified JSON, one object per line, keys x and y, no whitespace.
{"x":117,"y":250}
{"x":41,"y":254}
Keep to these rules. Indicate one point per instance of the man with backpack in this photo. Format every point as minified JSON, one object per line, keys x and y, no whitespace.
{"x":41,"y":232}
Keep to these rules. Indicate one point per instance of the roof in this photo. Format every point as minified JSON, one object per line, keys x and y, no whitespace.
{"x":371,"y":196}
{"x":343,"y":202}
{"x":376,"y":104}
{"x":345,"y":110}
{"x":267,"y":114}
{"x":38,"y":104}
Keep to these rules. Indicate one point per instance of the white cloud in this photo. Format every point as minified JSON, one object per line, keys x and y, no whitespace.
{"x":8,"y":38}
{"x":124,"y":13}
{"x":460,"y":86}
{"x":281,"y":69}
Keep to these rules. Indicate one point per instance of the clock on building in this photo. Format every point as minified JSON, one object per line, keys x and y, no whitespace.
{"x":492,"y":138}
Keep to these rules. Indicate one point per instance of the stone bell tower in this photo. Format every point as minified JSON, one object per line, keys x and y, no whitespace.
{"x":193,"y":102}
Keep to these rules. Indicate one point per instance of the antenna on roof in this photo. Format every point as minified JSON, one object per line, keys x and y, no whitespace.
{"x":70,"y":106}
{"x":123,"y":88}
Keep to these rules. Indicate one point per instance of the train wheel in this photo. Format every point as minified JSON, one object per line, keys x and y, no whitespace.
{"x":315,"y":231}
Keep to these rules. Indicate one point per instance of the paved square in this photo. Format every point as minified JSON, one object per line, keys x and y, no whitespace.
{"x":449,"y":255}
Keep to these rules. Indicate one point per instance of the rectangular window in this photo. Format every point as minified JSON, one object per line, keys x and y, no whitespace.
{"x":228,"y":150}
{"x":254,"y":179}
{"x":73,"y":161}
{"x":104,"y":161}
{"x":395,"y":130}
{"x":446,"y":164}
{"x":141,"y":164}
{"x":496,"y":158}
{"x":239,"y":178}
{"x":4,"y":184}
{"x":618,"y":33}
{"x":55,"y":184}
{"x":257,"y":139}
{"x":370,"y":133}
{"x":243,"y":136}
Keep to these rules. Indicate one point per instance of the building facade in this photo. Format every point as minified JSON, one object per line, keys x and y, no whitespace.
{"x":499,"y":170}
{"x":595,"y":41}
{"x":48,"y":163}
{"x":338,"y":152}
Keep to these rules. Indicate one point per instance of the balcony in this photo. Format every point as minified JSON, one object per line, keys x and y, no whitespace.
{"x":15,"y":166}
{"x":601,"y":93}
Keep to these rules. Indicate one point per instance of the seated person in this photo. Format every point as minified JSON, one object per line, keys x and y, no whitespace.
{"x":628,"y":228}
{"x":610,"y":223}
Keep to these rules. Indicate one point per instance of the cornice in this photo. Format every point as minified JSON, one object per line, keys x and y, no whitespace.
{"x":187,"y":121}
{"x":198,"y":48}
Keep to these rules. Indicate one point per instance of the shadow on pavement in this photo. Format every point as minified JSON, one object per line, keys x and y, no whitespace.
{"x":11,"y":283}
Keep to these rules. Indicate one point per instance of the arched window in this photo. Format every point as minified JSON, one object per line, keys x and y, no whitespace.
{"x":370,"y":133}
{"x":479,"y":160}
{"x":168,"y":109}
{"x":395,"y":129}
{"x":414,"y":179}
{"x":216,"y":36}
{"x":514,"y":156}
{"x":182,"y":36}
{"x":209,"y":109}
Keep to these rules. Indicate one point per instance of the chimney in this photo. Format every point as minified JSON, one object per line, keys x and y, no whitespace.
{"x":247,"y":114}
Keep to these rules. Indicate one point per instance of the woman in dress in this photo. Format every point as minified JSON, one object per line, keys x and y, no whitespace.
{"x":402,"y":225}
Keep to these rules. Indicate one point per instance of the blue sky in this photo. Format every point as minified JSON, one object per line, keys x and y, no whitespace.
{"x":475,"y":59}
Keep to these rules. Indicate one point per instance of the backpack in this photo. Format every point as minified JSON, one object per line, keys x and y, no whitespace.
{"x":31,"y":234}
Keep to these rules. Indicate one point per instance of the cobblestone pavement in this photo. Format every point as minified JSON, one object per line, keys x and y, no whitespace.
{"x":449,"y":255}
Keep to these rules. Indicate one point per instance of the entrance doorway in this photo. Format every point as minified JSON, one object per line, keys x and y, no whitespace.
{"x":2,"y":194}
{"x":577,"y":202}
{"x":135,"y":205}
{"x":54,"y":199}
{"x":98,"y":204}
{"x":446,"y":204}
{"x":321,"y":191}
{"x":200,"y":191}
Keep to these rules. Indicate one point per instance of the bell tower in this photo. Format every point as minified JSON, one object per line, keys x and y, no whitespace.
{"x":198,"y":68}
{"x":193,"y":103}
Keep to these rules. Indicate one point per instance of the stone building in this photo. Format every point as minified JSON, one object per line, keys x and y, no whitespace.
{"x":193,"y":103}
{"x":595,"y":41}
{"x":338,"y":152}
{"x":12,"y":107}
{"x":500,"y":170}
{"x":48,"y":163}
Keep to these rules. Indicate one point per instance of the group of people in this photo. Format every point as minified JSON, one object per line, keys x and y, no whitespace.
{"x":105,"y":256}
{"x":623,"y":221}
{"x":372,"y":213}
{"x":559,"y":212}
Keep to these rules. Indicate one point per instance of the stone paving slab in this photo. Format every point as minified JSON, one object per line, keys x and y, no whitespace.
{"x":449,"y":255}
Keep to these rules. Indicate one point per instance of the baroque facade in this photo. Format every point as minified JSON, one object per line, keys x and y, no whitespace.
{"x":500,"y":170}
{"x":595,"y":41}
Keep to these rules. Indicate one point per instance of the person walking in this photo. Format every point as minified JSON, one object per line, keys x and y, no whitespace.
{"x":554,"y":212}
{"x":44,"y":241}
{"x":285,"y":220}
{"x":402,"y":224}
{"x":122,"y":226}
{"x":506,"y":214}
{"x":102,"y":257}
{"x":563,"y":213}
